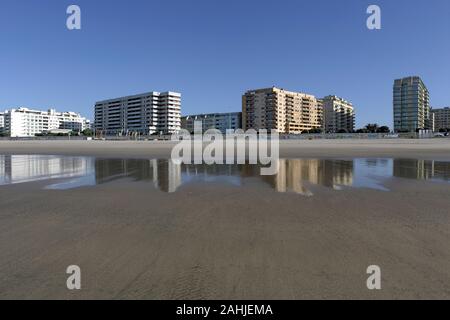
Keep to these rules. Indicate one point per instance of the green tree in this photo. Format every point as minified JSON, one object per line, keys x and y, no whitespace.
{"x":87,"y":132}
{"x":371,"y":127}
{"x":383,"y":129}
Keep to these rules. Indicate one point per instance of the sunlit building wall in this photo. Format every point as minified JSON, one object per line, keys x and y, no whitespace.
{"x":146,"y":114}
{"x":338,"y":115}
{"x":24,"y":122}
{"x":441,"y":118}
{"x":284,"y":111}
{"x":2,"y":122}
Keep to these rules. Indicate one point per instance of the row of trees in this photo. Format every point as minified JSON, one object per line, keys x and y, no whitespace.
{"x":86,"y":133}
{"x":374,"y":128}
{"x":369,"y":128}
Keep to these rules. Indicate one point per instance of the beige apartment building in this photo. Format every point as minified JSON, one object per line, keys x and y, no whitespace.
{"x":441,"y":118}
{"x":338,"y":115}
{"x":281,"y":110}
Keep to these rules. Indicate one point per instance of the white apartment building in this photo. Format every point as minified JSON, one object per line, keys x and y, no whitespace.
{"x":25,"y":122}
{"x":146,"y":114}
{"x":338,"y":114}
{"x":2,"y":122}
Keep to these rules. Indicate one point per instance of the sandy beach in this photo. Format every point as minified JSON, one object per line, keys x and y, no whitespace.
{"x":436,"y":149}
{"x":215,"y":241}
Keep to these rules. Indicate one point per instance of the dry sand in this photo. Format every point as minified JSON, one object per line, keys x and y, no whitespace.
{"x":224,"y":242}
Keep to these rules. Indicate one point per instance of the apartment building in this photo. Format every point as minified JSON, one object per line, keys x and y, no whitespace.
{"x":2,"y":122}
{"x":338,"y":115}
{"x":24,"y":122}
{"x":219,"y":121}
{"x":411,"y":105}
{"x":441,"y":118}
{"x":284,"y":111}
{"x":146,"y":114}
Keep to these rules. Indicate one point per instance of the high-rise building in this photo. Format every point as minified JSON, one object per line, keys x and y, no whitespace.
{"x":441,"y":118}
{"x":320,"y":115}
{"x":338,"y":115}
{"x":147,"y":113}
{"x":411,"y":105}
{"x":219,"y":121}
{"x":25,"y":122}
{"x":280,"y":110}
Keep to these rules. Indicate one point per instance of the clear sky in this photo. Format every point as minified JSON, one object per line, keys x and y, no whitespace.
{"x":212,"y":51}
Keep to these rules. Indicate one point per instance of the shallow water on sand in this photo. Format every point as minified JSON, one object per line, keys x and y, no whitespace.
{"x":294,"y":175}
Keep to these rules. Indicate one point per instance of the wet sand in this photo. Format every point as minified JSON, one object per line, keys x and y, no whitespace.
{"x":212,"y":241}
{"x":432,"y":149}
{"x":224,"y":242}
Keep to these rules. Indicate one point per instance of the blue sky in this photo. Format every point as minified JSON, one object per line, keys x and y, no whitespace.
{"x":214,"y":50}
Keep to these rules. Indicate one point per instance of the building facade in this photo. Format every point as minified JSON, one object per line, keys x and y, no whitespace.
{"x":2,"y":122}
{"x":25,"y":122}
{"x":441,"y":118}
{"x":284,"y":111}
{"x":338,"y":115}
{"x":411,"y":105}
{"x":146,"y":114}
{"x":219,"y":121}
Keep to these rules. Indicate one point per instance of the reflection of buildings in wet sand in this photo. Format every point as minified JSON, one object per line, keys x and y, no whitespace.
{"x":376,"y":163}
{"x":170,"y":180}
{"x":192,"y":170}
{"x":2,"y":168}
{"x":421,"y":169}
{"x":337,"y":173}
{"x":294,"y":175}
{"x":22,"y":168}
{"x":165,"y":174}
